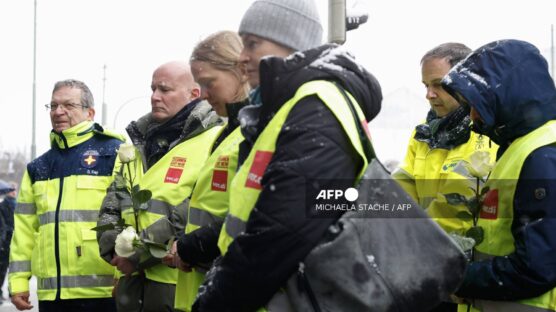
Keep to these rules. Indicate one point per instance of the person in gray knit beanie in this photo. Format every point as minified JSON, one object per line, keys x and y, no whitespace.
{"x":292,"y":23}
{"x":291,"y":135}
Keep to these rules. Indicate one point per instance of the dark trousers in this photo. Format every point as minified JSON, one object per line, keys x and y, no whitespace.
{"x":78,"y":305}
{"x":445,"y":307}
{"x":4,"y":256}
{"x":139,"y":294}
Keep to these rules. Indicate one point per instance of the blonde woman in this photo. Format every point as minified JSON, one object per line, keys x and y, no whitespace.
{"x":215,"y":67}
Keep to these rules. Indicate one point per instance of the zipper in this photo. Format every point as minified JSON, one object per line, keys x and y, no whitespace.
{"x":57,"y":227}
{"x":304,"y":285}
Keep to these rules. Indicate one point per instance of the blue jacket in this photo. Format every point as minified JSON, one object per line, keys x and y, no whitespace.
{"x":507,"y":82}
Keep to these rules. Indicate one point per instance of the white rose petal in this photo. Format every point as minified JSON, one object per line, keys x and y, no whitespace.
{"x":126,"y":153}
{"x":479,"y":164}
{"x":124,"y":242}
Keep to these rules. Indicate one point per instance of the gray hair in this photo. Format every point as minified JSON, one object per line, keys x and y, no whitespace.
{"x":87,"y":99}
{"x":453,"y":52}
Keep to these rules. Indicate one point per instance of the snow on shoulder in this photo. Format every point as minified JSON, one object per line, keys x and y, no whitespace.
{"x":329,"y":56}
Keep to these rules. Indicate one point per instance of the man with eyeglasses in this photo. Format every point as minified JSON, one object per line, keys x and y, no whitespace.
{"x":58,"y":204}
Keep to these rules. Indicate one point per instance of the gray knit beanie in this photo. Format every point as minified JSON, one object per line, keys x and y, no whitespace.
{"x":291,"y":23}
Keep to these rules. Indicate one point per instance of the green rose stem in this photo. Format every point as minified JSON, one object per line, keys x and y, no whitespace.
{"x":135,"y":211}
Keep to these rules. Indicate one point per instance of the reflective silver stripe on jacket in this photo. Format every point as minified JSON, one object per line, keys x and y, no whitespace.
{"x":201,"y":217}
{"x":69,"y":216}
{"x":159,"y":207}
{"x":234,"y":225}
{"x":19,"y":266}
{"x":76,"y":281}
{"x":155,"y":206}
{"x":26,"y":209}
{"x":507,"y":306}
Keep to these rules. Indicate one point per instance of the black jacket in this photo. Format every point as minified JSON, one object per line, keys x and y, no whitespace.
{"x":311,"y":145}
{"x":7,"y":208}
{"x":508,"y":83}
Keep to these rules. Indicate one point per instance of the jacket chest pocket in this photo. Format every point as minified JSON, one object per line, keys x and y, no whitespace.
{"x":90,"y":191}
{"x":41,"y":197}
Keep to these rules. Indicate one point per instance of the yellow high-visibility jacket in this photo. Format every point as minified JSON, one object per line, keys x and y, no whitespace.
{"x":209,"y":202}
{"x":428,"y":174}
{"x":58,"y":204}
{"x":170,"y":180}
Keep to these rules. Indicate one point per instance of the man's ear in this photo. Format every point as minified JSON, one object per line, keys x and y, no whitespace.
{"x":195,"y":93}
{"x":91,"y":113}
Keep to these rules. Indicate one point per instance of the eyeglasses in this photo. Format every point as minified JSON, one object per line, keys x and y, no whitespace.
{"x":67,"y":106}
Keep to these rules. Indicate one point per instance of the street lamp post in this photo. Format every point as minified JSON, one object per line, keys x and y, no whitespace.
{"x":34,"y":108}
{"x":124,"y":105}
{"x":552,"y":51}
{"x":104,"y":109}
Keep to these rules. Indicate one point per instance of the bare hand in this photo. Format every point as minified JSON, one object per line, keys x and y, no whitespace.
{"x":169,"y":260}
{"x":172,"y":259}
{"x":21,"y":301}
{"x":124,"y":265}
{"x":182,"y":265}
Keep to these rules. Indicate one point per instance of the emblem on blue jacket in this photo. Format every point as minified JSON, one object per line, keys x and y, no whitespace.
{"x":89,"y":159}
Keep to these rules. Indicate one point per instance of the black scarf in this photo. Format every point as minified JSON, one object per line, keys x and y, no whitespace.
{"x":445,"y":132}
{"x":160,"y":136}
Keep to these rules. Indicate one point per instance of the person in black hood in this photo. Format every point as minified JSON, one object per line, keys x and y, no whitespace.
{"x":292,"y":136}
{"x":513,"y":100}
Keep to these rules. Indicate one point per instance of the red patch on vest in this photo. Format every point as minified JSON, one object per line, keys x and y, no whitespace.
{"x":262,"y":158}
{"x":489,"y":209}
{"x":173,"y":175}
{"x":219,"y":180}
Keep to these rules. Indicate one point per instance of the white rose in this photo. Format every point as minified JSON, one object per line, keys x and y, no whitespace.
{"x":124,"y":242}
{"x":479,"y":164}
{"x":126,"y":153}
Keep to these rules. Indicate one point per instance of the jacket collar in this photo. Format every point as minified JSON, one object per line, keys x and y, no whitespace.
{"x":72,"y":136}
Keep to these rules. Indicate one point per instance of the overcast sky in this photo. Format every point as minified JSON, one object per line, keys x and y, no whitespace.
{"x":76,"y":38}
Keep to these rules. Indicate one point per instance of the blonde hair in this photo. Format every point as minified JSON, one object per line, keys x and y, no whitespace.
{"x":222,"y":50}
